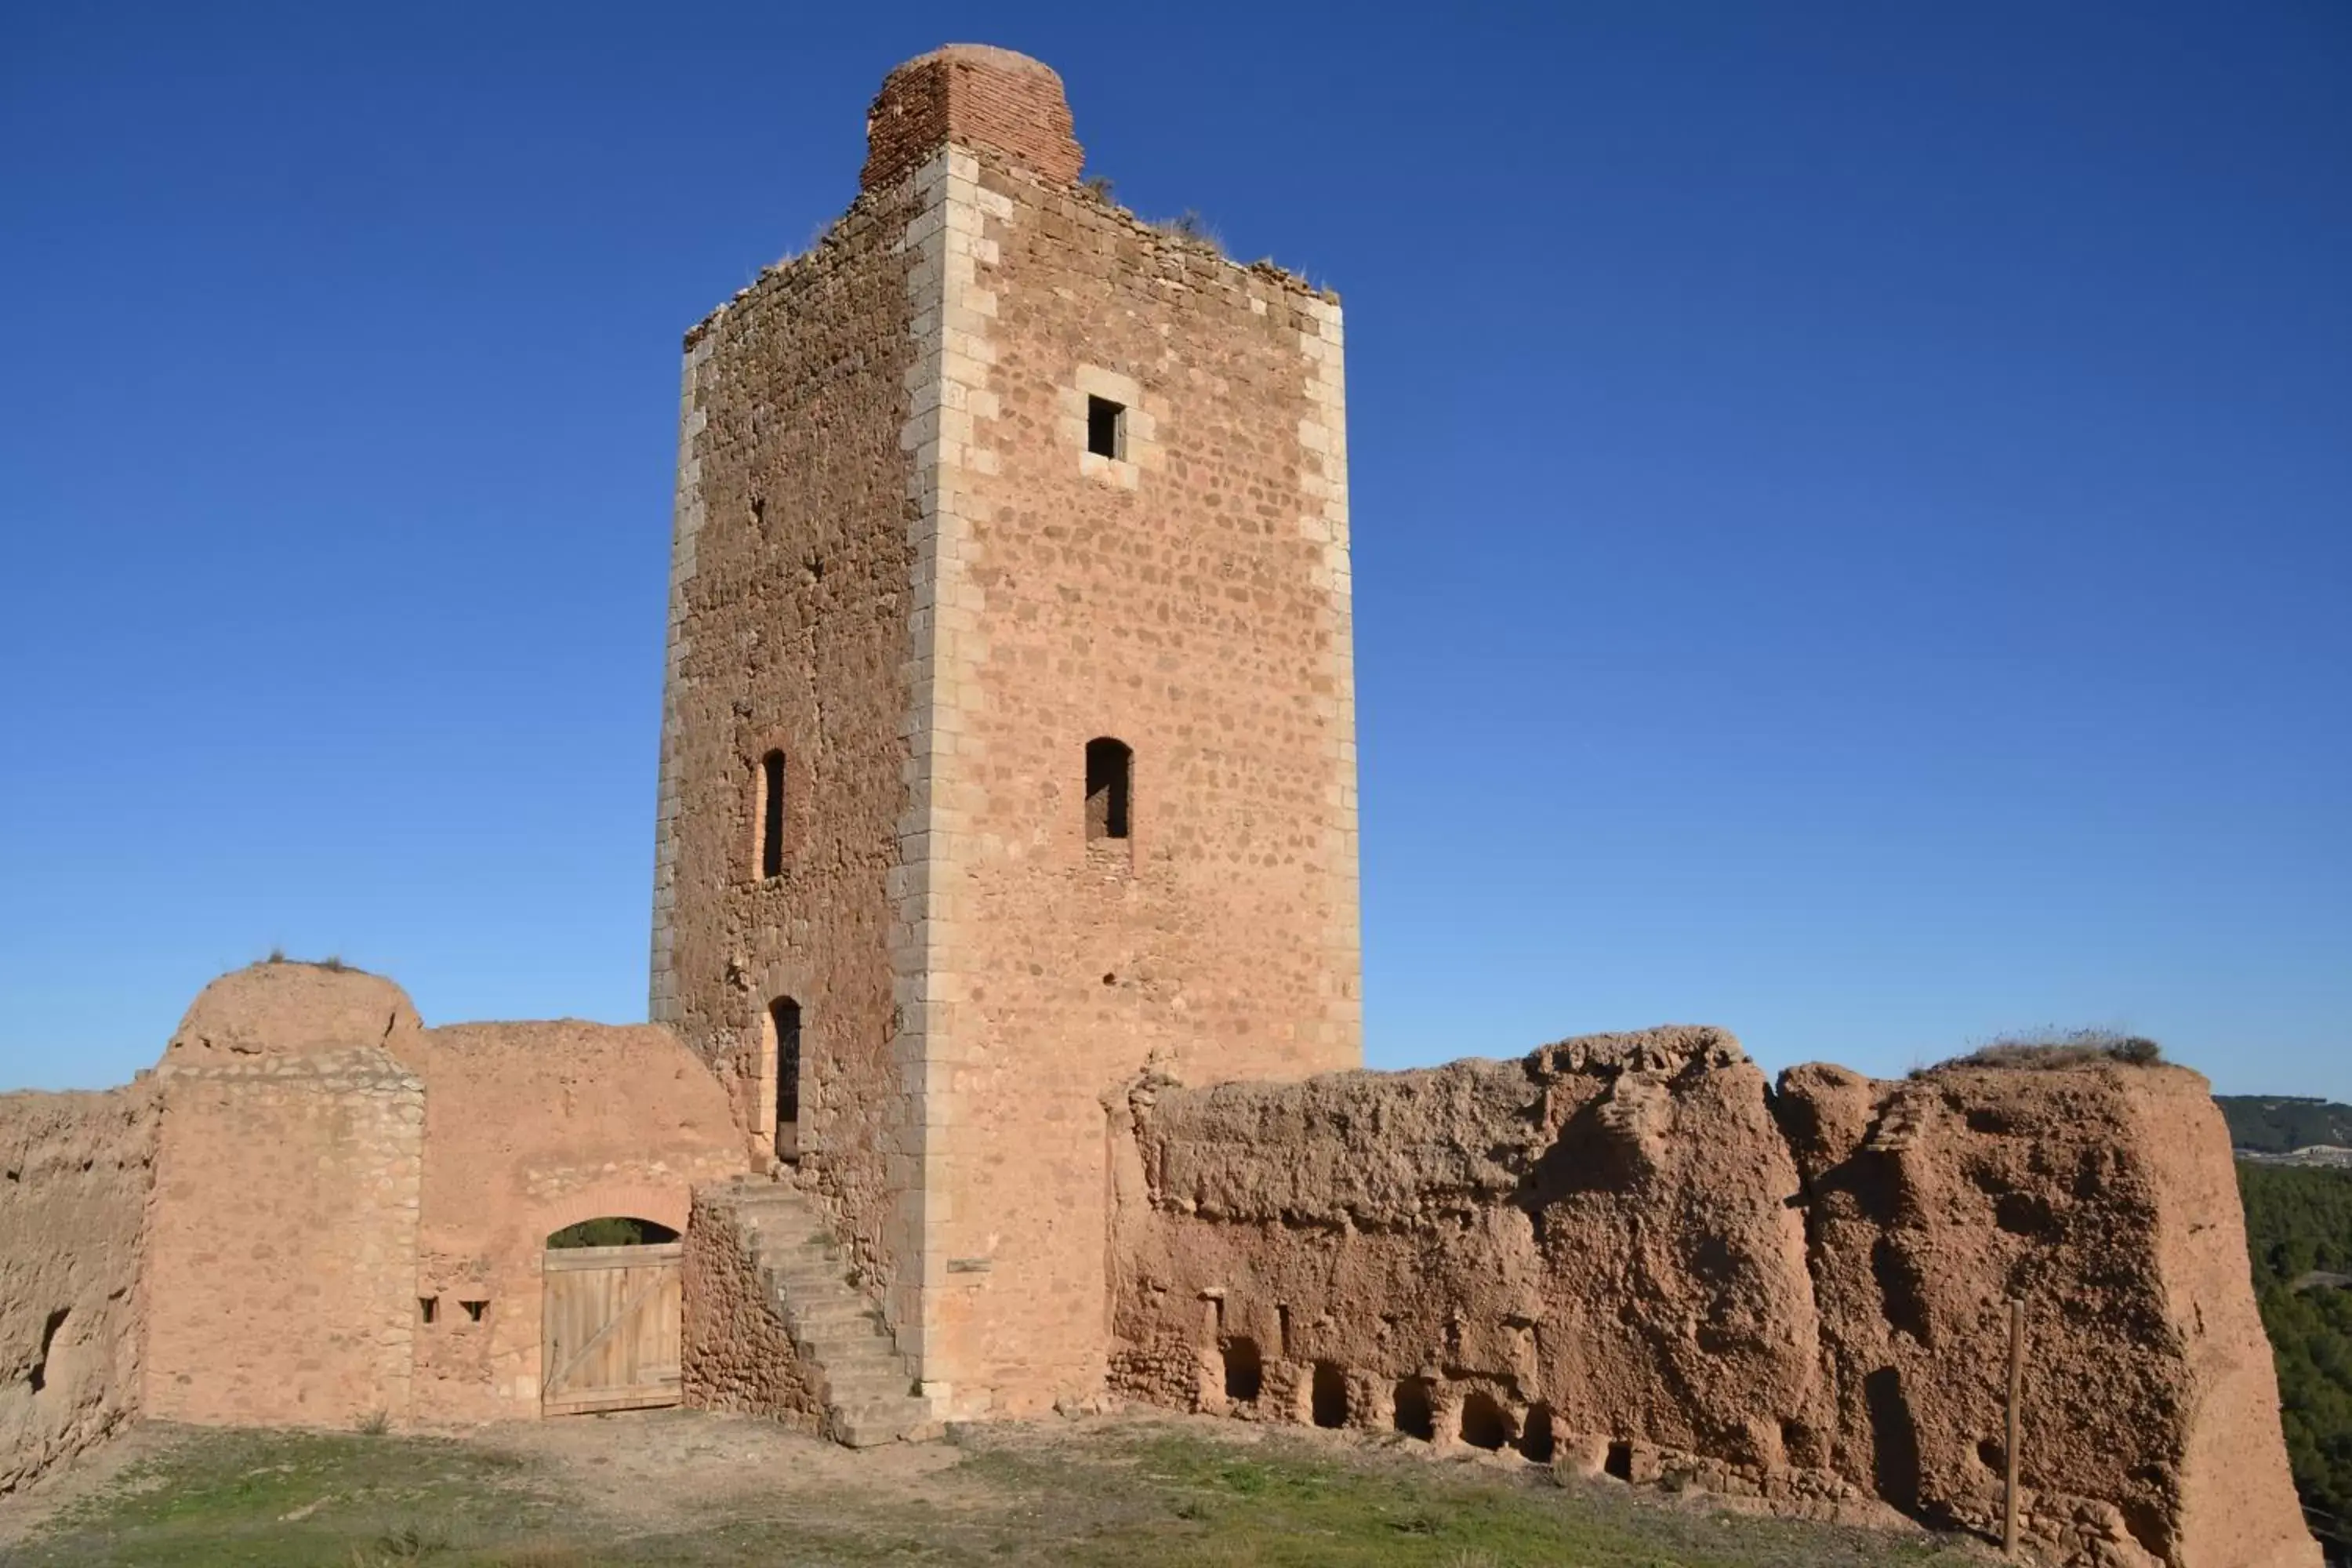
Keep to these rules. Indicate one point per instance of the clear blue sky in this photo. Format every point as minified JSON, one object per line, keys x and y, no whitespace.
{"x":1854,"y":502}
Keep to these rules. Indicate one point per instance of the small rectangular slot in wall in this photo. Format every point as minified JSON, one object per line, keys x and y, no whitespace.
{"x":428,"y":1309}
{"x":474,"y":1310}
{"x":1106,"y":428}
{"x":771,"y":815}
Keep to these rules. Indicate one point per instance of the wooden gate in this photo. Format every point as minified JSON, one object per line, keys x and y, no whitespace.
{"x":608,"y":1336}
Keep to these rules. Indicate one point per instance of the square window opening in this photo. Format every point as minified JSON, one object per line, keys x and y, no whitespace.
{"x":1106,"y":428}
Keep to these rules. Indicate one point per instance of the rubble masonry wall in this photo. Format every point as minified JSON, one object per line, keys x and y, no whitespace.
{"x":791,"y":601}
{"x":738,"y":1353}
{"x":282,"y":1263}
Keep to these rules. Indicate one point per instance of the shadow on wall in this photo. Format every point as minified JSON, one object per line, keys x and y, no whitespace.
{"x":1894,"y":1440}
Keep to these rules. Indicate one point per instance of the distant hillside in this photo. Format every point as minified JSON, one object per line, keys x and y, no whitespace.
{"x":2272,"y":1124}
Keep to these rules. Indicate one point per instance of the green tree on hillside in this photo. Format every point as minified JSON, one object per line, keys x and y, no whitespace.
{"x":2299,"y":1221}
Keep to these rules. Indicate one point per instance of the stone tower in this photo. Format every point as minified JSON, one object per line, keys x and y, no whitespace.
{"x":1008,"y":735}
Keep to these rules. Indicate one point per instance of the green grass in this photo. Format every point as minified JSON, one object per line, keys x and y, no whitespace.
{"x":1130,"y":1496}
{"x":1287,"y":1505}
{"x":272,"y":1497}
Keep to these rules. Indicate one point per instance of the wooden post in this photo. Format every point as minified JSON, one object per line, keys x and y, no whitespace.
{"x":2016,"y":1426}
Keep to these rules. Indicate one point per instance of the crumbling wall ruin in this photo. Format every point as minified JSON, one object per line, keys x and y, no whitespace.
{"x":1629,"y":1251}
{"x":2104,"y":1198}
{"x":75,"y":1171}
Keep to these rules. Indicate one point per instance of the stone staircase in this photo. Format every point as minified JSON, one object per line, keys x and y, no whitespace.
{"x":851,"y":1359}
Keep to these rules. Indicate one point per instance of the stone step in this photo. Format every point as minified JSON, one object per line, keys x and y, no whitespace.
{"x":857,"y":1357}
{"x":835,"y":1320}
{"x":810,"y":1284}
{"x":869,"y":1426}
{"x":768,"y":1201}
{"x":777,"y":1229}
{"x":883,"y":1372}
{"x":808,"y":1260}
{"x":874,"y":1405}
{"x":840,"y":1353}
{"x":795,"y":1221}
{"x":803,"y":1260}
{"x":823,"y":1294}
{"x":787,"y":1241}
{"x":899,"y":1414}
{"x":851,"y":1432}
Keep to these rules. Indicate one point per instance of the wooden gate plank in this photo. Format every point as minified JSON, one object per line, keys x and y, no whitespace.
{"x":610,"y":1340}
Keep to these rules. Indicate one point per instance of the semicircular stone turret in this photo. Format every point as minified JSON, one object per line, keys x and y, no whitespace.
{"x":976,"y":96}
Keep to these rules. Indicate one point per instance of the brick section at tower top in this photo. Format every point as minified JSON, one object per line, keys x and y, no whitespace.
{"x":987,"y":99}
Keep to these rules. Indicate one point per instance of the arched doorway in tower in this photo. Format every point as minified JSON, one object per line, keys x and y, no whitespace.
{"x":783,"y":1052}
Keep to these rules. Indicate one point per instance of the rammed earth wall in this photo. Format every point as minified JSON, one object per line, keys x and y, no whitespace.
{"x":74,"y":1172}
{"x":1626,"y":1247}
{"x":2105,"y":1198}
{"x":530,"y":1128}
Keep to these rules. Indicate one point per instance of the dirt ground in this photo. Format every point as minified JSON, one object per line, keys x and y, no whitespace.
{"x":677,"y":1486}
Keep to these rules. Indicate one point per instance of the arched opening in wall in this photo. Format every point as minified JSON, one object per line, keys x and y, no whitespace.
{"x":611,"y":1230}
{"x":1327,"y":1399}
{"x":1110,"y":772}
{"x":1484,"y":1423}
{"x":1894,"y":1439}
{"x":1415,"y":1415}
{"x":1537,"y":1443}
{"x":771,"y":815}
{"x":37,"y":1377}
{"x":785,"y":1050}
{"x":609,"y":1315}
{"x":1245,"y":1371}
